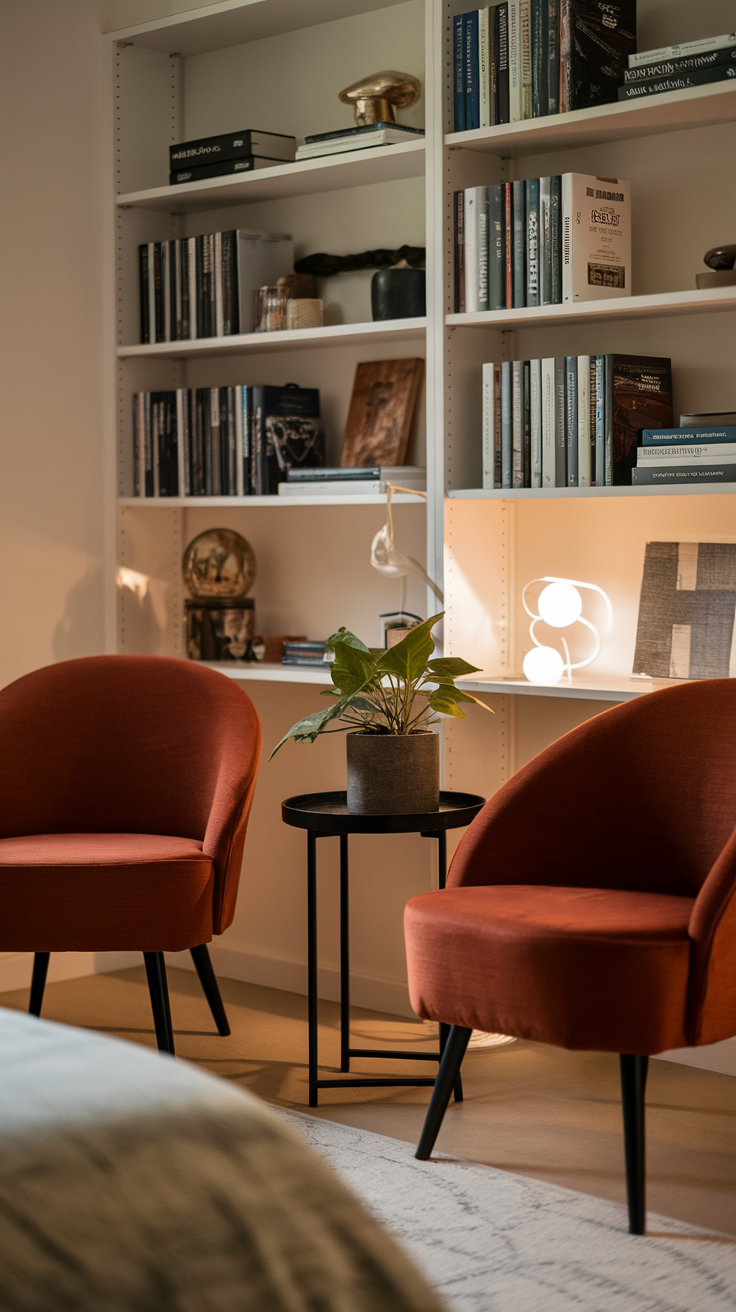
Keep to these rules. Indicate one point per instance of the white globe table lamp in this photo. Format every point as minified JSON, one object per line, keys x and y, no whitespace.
{"x":560,"y":606}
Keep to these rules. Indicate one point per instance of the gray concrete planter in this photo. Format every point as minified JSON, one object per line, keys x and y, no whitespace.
{"x":393,"y":775}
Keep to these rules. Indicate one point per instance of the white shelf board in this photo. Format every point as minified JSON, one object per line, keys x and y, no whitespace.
{"x":252,"y":503}
{"x":355,"y":168}
{"x":670,"y":111}
{"x":262,"y":673}
{"x":349,"y":334}
{"x":655,"y":306}
{"x":232,"y":22}
{"x":555,"y":493}
{"x":596,"y":688}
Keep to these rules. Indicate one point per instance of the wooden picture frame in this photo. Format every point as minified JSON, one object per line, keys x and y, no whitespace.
{"x":381,"y":411}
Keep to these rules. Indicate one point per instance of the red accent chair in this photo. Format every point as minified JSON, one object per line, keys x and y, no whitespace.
{"x":590,"y":903}
{"x":125,"y":788}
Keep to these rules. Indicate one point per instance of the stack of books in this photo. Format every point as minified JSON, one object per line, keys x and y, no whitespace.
{"x":223,"y":441}
{"x":686,"y":455}
{"x":360,"y":138}
{"x":205,"y":286}
{"x":529,"y":58}
{"x":312,"y":654}
{"x":547,"y":241}
{"x":234,"y":152}
{"x":354,"y":480}
{"x":572,"y":421}
{"x":675,"y":68}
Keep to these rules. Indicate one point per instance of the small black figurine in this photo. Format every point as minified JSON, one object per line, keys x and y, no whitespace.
{"x":721,"y":271}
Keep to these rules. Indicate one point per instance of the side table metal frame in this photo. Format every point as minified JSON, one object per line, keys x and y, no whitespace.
{"x":296,"y":817}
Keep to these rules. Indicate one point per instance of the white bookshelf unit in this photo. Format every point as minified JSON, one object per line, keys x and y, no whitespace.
{"x":213,"y":69}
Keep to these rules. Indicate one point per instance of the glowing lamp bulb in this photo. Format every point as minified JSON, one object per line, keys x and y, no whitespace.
{"x":560,"y":604}
{"x":543,"y":665}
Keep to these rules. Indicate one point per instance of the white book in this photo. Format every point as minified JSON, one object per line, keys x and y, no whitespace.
{"x":515,"y":86}
{"x":181,"y":461}
{"x":489,"y":432}
{"x":693,"y":451}
{"x":262,"y":258}
{"x":239,"y":450}
{"x":484,"y":66}
{"x":346,"y":487}
{"x":596,"y":238}
{"x":686,"y":456}
{"x":687,"y":48}
{"x":549,"y":422}
{"x":584,"y":470}
{"x":535,"y":421}
{"x":192,"y":264}
{"x":476,"y":248}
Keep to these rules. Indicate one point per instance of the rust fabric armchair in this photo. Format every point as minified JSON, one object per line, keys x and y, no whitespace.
{"x":591,"y":903}
{"x":125,"y":788}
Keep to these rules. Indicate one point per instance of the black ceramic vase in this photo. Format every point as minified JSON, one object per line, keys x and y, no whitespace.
{"x":392,"y":774}
{"x":398,"y":294}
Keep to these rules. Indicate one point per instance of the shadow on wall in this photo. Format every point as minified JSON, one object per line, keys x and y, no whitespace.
{"x":80,"y":632}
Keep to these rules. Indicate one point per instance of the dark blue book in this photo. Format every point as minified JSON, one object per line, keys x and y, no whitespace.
{"x":532,"y":241}
{"x":540,"y":57}
{"x":518,"y":243}
{"x":506,"y":424}
{"x":571,"y":418}
{"x":458,"y":67}
{"x":501,"y":56}
{"x":687,"y":436}
{"x":472,"y":85}
{"x":496,"y":248}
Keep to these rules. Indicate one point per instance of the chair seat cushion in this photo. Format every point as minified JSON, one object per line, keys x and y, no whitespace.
{"x":104,"y":892}
{"x":583,"y":968}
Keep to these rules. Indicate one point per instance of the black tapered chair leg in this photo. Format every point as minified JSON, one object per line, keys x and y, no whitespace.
{"x":458,"y":1090}
{"x":38,"y":982}
{"x":210,"y":987}
{"x":159,"y":991}
{"x":633,"y":1085}
{"x":457,"y":1042}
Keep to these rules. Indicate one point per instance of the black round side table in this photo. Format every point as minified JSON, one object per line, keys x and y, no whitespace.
{"x":326,"y":815}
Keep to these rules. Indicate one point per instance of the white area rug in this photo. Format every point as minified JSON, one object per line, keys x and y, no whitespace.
{"x":495,"y":1242}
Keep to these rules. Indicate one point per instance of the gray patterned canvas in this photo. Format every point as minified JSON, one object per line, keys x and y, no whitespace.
{"x":686,"y":611}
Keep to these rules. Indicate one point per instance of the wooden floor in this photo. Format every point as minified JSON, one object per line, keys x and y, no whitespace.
{"x":531,"y":1109}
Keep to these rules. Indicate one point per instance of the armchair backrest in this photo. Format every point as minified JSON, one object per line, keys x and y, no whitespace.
{"x":641,"y":797}
{"x":131,"y":744}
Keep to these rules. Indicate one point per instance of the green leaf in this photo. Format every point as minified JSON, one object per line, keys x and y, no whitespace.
{"x":352,"y":668}
{"x":451,"y":667}
{"x":345,"y":638}
{"x":306,"y":730}
{"x":408,"y":659}
{"x":446,"y":705}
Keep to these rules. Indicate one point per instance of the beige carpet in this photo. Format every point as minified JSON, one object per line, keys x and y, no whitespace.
{"x":533,"y":1110}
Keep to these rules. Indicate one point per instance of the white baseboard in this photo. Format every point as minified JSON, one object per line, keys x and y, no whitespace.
{"x":15,"y":967}
{"x":285,"y":973}
{"x":719,"y":1057}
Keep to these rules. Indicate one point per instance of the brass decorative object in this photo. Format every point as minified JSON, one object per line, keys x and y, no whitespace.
{"x":219,"y":568}
{"x":377,"y":97}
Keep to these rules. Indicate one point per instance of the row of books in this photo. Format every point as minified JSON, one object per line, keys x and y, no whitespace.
{"x":223,"y":441}
{"x":525,"y":59}
{"x":711,"y":59}
{"x":231,"y":152}
{"x":546,"y":241}
{"x":205,"y":286}
{"x":571,"y":421}
{"x":687,"y":455}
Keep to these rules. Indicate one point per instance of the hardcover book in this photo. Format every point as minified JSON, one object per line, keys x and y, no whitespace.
{"x":232,"y":145}
{"x":677,"y":82}
{"x":596,"y":237}
{"x":598,"y":37}
{"x":638,"y":396}
{"x":687,"y":608}
{"x":286,"y":434}
{"x":381,"y":410}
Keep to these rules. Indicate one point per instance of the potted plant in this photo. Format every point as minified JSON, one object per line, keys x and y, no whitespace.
{"x":389,"y":699}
